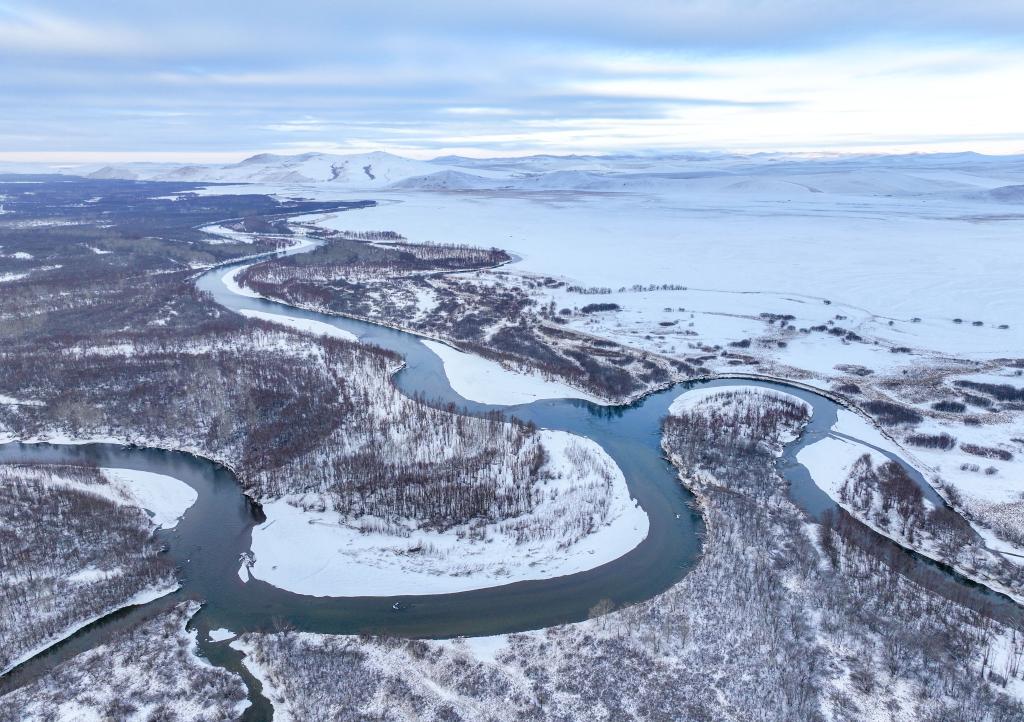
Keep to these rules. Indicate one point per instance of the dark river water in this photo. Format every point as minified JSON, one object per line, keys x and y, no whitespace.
{"x":208,"y":540}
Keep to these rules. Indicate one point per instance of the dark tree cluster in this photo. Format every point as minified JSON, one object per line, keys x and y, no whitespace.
{"x":892,"y":414}
{"x":599,"y":307}
{"x":732,"y":433}
{"x":348,"y":259}
{"x":932,"y":441}
{"x":135,"y":210}
{"x":887,"y":497}
{"x":387,"y":236}
{"x":989,"y":452}
{"x":1000,"y":392}
{"x":884,"y":493}
{"x":337,"y":427}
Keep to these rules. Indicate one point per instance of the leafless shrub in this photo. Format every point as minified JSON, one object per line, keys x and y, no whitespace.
{"x":989,"y":452}
{"x":932,"y":441}
{"x":892,"y":414}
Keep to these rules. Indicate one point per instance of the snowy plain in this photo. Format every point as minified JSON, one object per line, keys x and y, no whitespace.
{"x":816,"y":247}
{"x":899,"y":267}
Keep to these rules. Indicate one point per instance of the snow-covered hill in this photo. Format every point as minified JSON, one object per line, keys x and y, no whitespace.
{"x":363,"y":170}
{"x":965,"y":175}
{"x":446,"y":180}
{"x":761,"y":175}
{"x":1006,"y":194}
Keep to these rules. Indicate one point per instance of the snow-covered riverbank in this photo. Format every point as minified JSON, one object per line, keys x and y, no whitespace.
{"x":300,"y":324}
{"x":165,"y":498}
{"x":488,"y":382}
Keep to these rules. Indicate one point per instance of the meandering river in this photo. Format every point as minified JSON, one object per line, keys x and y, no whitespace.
{"x":216,"y":530}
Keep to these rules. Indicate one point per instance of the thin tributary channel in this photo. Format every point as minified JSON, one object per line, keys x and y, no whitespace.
{"x":216,"y":530}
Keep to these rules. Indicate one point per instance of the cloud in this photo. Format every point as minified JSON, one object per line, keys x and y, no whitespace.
{"x":301,"y":125}
{"x":532,"y":74}
{"x":36,"y":32}
{"x":312,"y":31}
{"x":478,"y":111}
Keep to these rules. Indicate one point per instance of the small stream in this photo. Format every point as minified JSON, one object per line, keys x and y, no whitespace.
{"x":207,"y":542}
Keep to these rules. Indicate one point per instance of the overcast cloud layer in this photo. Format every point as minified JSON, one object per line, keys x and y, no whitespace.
{"x":212,"y":80}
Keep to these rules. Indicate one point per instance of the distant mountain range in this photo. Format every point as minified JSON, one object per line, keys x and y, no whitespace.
{"x":364,"y":170}
{"x":991,"y":178}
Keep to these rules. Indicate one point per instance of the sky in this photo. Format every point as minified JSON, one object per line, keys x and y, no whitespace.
{"x":217,"y":81}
